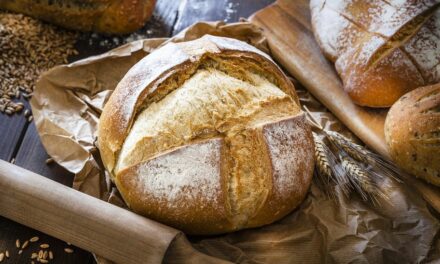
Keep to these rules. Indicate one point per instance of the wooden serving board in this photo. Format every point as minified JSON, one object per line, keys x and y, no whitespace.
{"x":288,"y":29}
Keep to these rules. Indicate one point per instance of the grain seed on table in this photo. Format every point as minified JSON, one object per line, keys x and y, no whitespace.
{"x":25,"y":244}
{"x":28,"y":47}
{"x":44,"y":246}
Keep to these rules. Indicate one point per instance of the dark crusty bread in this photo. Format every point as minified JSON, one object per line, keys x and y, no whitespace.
{"x":207,"y":136}
{"x":105,"y":16}
{"x":381,"y":49}
{"x":412,"y":131}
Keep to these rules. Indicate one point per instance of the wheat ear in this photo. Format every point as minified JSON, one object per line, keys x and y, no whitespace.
{"x":327,"y":165}
{"x":362,"y":181}
{"x":361,"y":154}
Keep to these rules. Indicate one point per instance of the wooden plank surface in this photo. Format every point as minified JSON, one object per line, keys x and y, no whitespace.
{"x":12,"y":129}
{"x":32,"y":156}
{"x":191,"y":11}
{"x":19,"y":140}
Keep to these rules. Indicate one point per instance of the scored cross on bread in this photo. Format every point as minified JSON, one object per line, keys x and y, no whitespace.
{"x":207,"y":136}
{"x":381,"y":48}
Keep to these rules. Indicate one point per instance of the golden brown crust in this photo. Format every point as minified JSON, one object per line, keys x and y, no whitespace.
{"x":143,"y":79}
{"x":194,"y":198}
{"x":291,"y":170}
{"x":412,"y":131}
{"x":196,"y":202}
{"x":124,"y":16}
{"x":381,"y":49}
{"x":382,"y":84}
{"x":207,"y":136}
{"x":105,"y":16}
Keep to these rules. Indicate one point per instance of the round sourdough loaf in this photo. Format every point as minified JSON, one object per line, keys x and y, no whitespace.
{"x":412,"y":132}
{"x":207,"y":136}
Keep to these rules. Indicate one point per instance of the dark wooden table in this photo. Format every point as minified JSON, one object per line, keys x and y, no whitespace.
{"x":19,"y":141}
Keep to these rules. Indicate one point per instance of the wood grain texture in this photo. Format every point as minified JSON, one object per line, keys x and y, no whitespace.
{"x":85,"y":221}
{"x":288,"y":28}
{"x":12,"y":231}
{"x":32,"y":156}
{"x":12,"y":129}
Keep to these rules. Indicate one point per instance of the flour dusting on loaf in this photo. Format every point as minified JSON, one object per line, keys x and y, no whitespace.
{"x":210,"y":102}
{"x":211,"y":140}
{"x":381,"y":49}
{"x":189,"y":173}
{"x":281,"y":139}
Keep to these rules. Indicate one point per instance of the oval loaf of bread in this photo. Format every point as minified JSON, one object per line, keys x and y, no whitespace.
{"x":381,"y":49}
{"x":105,"y":16}
{"x":412,"y":132}
{"x":207,"y":136}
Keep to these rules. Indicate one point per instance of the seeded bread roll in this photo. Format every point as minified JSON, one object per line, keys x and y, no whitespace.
{"x":207,"y":136}
{"x":412,"y":131}
{"x":381,"y":49}
{"x":105,"y":16}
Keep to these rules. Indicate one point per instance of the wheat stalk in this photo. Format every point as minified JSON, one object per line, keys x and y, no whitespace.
{"x":362,"y":181}
{"x":322,"y":161}
{"x":354,"y":150}
{"x":354,"y":167}
{"x":361,"y":154}
{"x":326,"y":163}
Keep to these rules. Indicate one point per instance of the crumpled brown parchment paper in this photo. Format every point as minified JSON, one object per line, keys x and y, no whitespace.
{"x":67,"y":103}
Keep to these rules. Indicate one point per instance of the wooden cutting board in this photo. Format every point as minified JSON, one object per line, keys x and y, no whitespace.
{"x":287,"y":26}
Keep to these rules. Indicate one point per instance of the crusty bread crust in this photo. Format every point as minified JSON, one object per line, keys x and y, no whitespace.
{"x":381,"y":49}
{"x":245,"y":167}
{"x":195,"y":199}
{"x":105,"y":16}
{"x":412,"y":132}
{"x":144,"y":78}
{"x":290,"y":147}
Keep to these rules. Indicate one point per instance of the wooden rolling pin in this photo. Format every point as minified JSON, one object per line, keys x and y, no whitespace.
{"x":89,"y":223}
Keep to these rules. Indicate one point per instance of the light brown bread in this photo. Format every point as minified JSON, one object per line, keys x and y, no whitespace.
{"x":105,"y":16}
{"x":207,"y":136}
{"x":381,"y":49}
{"x":412,"y":131}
